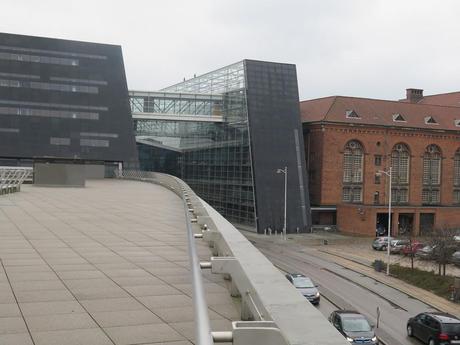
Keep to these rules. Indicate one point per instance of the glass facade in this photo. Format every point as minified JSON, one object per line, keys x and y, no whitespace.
{"x":206,"y":130}
{"x":211,"y":135}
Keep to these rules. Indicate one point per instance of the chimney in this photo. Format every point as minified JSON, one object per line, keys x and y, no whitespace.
{"x":414,"y":95}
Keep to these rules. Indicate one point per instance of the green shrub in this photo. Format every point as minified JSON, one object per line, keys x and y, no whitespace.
{"x":439,"y":285}
{"x":379,"y":265}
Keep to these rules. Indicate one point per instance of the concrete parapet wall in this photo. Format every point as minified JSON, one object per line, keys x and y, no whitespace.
{"x":59,"y":175}
{"x":94,"y":171}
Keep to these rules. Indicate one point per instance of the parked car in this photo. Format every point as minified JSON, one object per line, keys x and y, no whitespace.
{"x":427,"y":252}
{"x":435,"y":328}
{"x":353,"y":326}
{"x":396,"y":246}
{"x":412,"y":248}
{"x":456,"y":258}
{"x":381,"y":243}
{"x":306,"y":287}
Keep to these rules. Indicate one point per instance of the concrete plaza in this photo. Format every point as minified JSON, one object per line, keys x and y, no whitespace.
{"x":105,"y":264}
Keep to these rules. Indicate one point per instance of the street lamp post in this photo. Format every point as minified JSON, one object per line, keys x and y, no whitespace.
{"x":285,"y":172}
{"x":388,"y":173}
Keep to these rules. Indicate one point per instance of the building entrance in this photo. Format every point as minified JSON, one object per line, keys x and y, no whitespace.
{"x":405,"y":224}
{"x":381,"y":226}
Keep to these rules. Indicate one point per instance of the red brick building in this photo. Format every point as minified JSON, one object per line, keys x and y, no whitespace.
{"x":348,"y":140}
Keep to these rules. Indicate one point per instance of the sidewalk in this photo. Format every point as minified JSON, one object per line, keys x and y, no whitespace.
{"x":358,"y":264}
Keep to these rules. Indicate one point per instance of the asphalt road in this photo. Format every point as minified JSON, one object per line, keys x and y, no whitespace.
{"x":342,"y":288}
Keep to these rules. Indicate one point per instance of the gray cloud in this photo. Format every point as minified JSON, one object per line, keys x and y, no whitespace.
{"x":368,"y":48}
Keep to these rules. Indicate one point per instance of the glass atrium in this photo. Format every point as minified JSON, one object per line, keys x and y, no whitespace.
{"x":204,"y":121}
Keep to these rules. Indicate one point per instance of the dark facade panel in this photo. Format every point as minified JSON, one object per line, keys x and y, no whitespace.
{"x":158,"y":159}
{"x":63,"y":99}
{"x":276,"y":141}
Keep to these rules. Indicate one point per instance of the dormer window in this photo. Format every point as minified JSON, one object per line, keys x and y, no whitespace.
{"x":351,"y":114}
{"x":398,"y":118}
{"x":457,"y":123}
{"x":429,"y":120}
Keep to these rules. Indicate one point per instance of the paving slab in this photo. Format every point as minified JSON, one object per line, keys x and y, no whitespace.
{"x":125,"y":318}
{"x":141,"y":334}
{"x":42,"y":323}
{"x":50,"y":308}
{"x":9,"y":310}
{"x":12,"y":325}
{"x":93,"y":336}
{"x":16,"y":339}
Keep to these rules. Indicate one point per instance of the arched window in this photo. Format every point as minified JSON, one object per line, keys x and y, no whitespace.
{"x":431,"y":175}
{"x":457,"y":177}
{"x":400,"y":163}
{"x":353,"y":158}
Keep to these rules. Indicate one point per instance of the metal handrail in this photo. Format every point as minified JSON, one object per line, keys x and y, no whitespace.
{"x":202,"y":324}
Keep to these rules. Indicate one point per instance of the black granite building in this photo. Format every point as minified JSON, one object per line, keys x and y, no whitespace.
{"x":63,"y":100}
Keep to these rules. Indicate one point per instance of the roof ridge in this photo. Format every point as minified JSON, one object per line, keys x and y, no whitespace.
{"x":439,"y":94}
{"x":317,"y":99}
{"x":399,"y":102}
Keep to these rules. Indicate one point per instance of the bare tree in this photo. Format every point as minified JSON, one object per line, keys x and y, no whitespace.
{"x":411,"y":252}
{"x":406,"y":233}
{"x":443,"y":246}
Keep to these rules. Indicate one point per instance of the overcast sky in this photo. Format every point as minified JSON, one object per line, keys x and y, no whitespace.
{"x":362,"y":48}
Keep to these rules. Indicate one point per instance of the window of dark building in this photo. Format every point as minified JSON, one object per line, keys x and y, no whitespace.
{"x":378,"y":160}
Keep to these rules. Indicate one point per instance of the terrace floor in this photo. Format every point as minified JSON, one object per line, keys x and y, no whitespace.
{"x":105,"y":264}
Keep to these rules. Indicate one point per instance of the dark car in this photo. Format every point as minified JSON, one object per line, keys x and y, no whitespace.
{"x":306,"y":287}
{"x":435,"y":328}
{"x":381,"y":243}
{"x":456,"y":258}
{"x":354,"y":327}
{"x":412,"y":248}
{"x":397,"y":246}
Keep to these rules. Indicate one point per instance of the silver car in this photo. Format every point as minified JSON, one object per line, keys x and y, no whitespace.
{"x":456,"y":258}
{"x":305,"y":286}
{"x":397,"y":246}
{"x":381,"y":243}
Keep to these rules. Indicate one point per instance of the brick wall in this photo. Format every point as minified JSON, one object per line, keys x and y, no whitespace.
{"x":326,"y":144}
